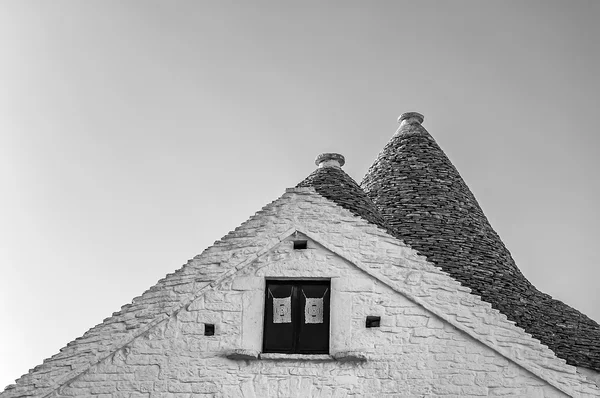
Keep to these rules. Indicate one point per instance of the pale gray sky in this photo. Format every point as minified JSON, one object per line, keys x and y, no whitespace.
{"x":135,"y":134}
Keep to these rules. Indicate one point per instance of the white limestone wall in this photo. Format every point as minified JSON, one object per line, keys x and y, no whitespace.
{"x":413,"y":353}
{"x":155,"y":347}
{"x":590,"y":374}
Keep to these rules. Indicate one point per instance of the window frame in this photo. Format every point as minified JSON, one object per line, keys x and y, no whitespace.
{"x":297,"y":315}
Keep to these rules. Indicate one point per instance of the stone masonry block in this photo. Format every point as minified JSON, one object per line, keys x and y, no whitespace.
{"x":247,"y":283}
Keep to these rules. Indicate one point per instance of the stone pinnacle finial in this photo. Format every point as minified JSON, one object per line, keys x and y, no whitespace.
{"x":330,"y":160}
{"x":411,"y":118}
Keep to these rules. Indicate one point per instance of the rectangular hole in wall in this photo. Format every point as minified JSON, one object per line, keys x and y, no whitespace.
{"x":209,"y":329}
{"x":373,"y":321}
{"x":300,"y":244}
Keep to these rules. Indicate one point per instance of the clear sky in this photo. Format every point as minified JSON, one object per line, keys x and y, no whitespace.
{"x":135,"y":134}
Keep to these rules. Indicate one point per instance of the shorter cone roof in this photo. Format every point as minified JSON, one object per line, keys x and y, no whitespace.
{"x":337,"y":186}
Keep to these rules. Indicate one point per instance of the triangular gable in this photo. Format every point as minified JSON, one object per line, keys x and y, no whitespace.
{"x":398,"y":266}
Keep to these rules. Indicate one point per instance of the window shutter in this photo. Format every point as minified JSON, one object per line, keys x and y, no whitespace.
{"x":280,"y":324}
{"x":313,"y":330}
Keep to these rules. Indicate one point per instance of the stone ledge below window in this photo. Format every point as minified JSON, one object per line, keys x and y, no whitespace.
{"x":242,"y":354}
{"x":342,"y":356}
{"x":296,"y":357}
{"x":350,"y":356}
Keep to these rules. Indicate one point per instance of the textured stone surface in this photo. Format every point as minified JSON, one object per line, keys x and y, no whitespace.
{"x":334,"y":184}
{"x":422,"y":197}
{"x":436,"y":338}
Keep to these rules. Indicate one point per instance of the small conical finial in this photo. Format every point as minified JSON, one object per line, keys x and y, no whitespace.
{"x":411,"y":118}
{"x":330,"y":160}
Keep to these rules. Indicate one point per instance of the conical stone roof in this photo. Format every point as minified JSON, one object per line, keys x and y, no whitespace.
{"x":422,"y":197}
{"x":330,"y":181}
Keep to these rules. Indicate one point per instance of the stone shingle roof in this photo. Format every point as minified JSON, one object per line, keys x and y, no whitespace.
{"x":334,"y":184}
{"x":421,"y":195}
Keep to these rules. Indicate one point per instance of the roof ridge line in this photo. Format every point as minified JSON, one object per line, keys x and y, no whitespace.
{"x":184,"y":304}
{"x":78,"y":372}
{"x":125,"y":340}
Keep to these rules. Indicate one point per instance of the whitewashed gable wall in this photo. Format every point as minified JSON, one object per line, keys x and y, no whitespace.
{"x":413,"y":353}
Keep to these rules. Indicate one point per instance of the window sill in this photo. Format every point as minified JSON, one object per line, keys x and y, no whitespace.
{"x":350,"y":356}
{"x":343,"y":356}
{"x":296,"y":357}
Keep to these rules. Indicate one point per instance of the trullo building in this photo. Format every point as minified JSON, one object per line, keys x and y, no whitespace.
{"x":397,"y":287}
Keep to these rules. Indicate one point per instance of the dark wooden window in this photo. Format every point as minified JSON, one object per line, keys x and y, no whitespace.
{"x":289,"y":331}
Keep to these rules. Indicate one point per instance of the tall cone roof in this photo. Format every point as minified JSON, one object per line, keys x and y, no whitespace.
{"x":422,"y":197}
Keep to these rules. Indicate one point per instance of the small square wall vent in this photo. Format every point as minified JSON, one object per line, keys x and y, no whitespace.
{"x":209,"y":329}
{"x":373,"y":321}
{"x":300,"y":244}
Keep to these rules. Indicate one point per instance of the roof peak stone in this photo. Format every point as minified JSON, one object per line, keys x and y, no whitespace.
{"x":411,"y":118}
{"x":330,"y":160}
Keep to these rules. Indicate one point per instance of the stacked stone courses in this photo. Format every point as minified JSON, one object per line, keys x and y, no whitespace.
{"x":421,"y":195}
{"x":336,"y":185}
